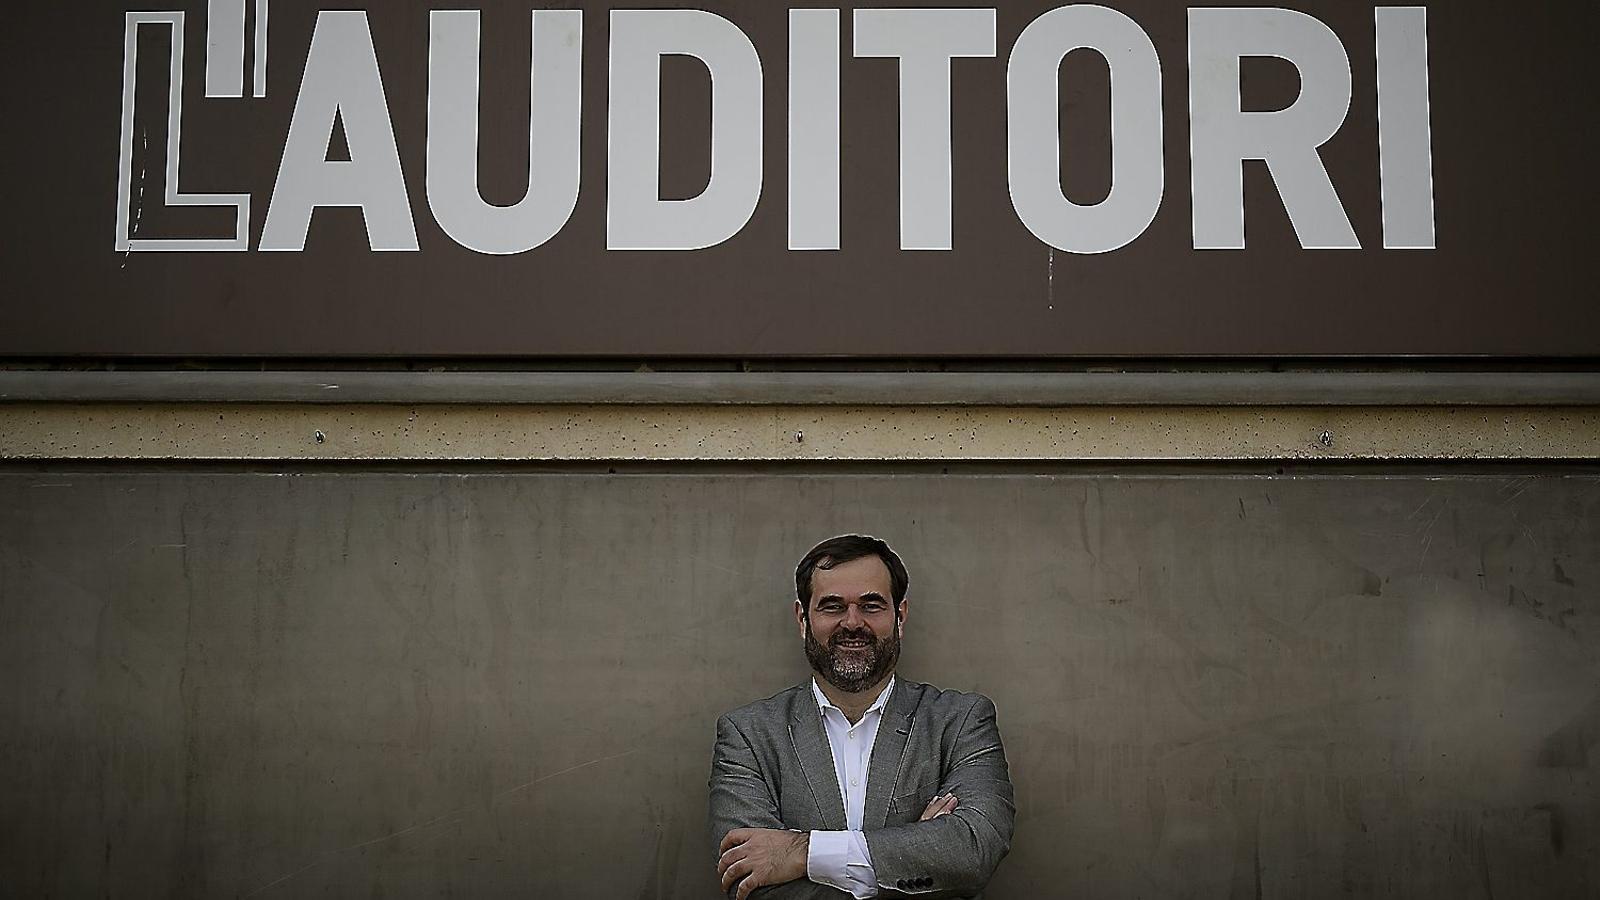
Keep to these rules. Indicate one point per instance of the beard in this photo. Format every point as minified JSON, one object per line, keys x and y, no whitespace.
{"x":853,"y":671}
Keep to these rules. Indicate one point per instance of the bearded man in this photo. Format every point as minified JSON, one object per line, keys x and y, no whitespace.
{"x":857,"y":782}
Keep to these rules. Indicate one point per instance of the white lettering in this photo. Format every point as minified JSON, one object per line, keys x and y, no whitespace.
{"x":553,"y":120}
{"x":341,"y":82}
{"x":925,"y":41}
{"x":1034,"y":125}
{"x":1222,"y":135}
{"x":636,"y":216}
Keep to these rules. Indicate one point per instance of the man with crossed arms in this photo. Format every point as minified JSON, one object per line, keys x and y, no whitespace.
{"x":857,"y":781}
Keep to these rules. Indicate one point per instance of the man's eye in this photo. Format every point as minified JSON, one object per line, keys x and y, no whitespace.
{"x":872,"y":607}
{"x":830,"y":607}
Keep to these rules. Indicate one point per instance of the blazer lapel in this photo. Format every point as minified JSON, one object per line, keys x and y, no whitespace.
{"x":816,"y":759}
{"x":888,"y":749}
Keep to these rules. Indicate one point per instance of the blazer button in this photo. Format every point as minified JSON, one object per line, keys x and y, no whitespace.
{"x":901,"y":884}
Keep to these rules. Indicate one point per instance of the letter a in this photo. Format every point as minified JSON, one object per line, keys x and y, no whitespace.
{"x":341,"y":81}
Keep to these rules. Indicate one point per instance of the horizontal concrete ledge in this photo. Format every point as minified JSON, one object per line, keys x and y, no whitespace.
{"x":1012,"y":389}
{"x":199,"y":431}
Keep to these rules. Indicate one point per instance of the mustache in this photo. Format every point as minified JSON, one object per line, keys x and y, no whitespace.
{"x":855,"y":670}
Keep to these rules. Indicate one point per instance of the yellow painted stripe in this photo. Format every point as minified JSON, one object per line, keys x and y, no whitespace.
{"x":605,"y":432}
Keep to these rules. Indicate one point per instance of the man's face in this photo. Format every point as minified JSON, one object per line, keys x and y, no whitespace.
{"x":853,"y":638}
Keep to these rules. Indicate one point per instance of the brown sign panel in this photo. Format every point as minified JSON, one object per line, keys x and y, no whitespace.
{"x":754,"y":179}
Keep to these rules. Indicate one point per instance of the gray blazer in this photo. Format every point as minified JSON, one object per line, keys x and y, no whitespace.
{"x":772,"y":768}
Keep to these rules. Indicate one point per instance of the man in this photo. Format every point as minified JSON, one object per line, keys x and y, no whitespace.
{"x":856,"y":781}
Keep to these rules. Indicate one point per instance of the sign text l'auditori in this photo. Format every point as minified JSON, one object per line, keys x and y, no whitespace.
{"x":343,"y":83}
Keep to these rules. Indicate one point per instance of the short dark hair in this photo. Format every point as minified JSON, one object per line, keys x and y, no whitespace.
{"x":843,"y":549}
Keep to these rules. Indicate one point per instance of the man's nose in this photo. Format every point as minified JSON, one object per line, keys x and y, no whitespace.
{"x":852,"y":616}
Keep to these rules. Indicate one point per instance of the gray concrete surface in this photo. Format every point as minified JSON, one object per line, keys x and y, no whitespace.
{"x":1212,"y":683}
{"x":855,"y":388}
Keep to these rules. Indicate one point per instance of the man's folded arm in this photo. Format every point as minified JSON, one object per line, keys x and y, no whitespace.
{"x":957,"y":852}
{"x":741,"y":798}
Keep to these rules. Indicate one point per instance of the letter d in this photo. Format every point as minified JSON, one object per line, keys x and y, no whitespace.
{"x":636,"y":216}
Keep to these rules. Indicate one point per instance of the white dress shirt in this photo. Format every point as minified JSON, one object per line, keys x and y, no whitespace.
{"x":840,"y":858}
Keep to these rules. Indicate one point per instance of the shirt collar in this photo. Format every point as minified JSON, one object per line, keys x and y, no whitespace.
{"x":877,"y":705}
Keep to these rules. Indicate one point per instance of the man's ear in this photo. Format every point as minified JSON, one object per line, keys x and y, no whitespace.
{"x":900,"y":618}
{"x":800,"y":618}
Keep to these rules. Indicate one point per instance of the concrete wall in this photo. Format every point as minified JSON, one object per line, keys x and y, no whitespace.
{"x":1212,"y":682}
{"x":789,"y":432}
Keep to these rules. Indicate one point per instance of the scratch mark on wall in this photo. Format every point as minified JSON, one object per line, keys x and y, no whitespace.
{"x":1050,"y":278}
{"x":1427,"y":535}
{"x":543,"y":778}
{"x":1256,"y":853}
{"x":1520,"y":488}
{"x":1420,"y":507}
{"x":1483,"y":863}
{"x":285,"y":878}
{"x":138,"y":205}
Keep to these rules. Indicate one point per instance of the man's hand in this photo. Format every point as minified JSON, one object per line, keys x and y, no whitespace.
{"x":755,"y":857}
{"x":939,"y":806}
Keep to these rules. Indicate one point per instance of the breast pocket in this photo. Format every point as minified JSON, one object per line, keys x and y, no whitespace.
{"x":907,"y":806}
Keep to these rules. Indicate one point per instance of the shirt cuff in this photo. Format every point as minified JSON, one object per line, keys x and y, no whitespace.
{"x":840,"y":859}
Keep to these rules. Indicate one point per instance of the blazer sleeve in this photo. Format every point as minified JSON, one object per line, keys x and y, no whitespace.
{"x":742,"y":798}
{"x":955,"y":854}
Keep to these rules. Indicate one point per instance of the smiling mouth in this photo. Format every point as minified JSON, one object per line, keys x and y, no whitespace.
{"x":853,"y":644}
